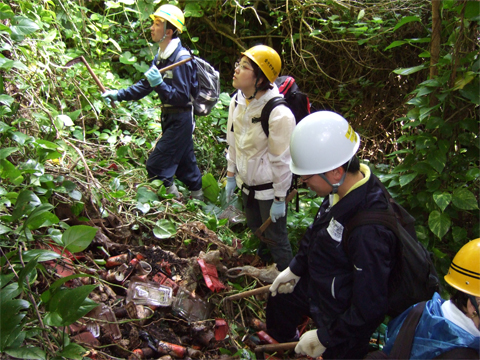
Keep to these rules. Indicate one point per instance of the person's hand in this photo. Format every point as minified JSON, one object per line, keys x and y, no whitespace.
{"x":112,"y":94}
{"x":310,"y":345}
{"x":277,"y":210}
{"x":153,"y":76}
{"x":285,"y":282}
{"x":230,"y":187}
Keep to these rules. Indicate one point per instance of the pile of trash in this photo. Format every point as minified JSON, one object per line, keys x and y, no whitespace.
{"x":169,"y":300}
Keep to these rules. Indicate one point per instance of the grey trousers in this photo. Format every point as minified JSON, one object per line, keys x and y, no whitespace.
{"x":257,"y":213}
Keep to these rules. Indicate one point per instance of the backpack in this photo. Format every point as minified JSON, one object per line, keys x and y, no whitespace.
{"x":403,"y":344}
{"x":208,"y":84}
{"x":414,"y":278}
{"x":293,"y":98}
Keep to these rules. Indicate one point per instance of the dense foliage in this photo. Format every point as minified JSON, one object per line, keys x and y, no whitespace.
{"x":404,"y":74}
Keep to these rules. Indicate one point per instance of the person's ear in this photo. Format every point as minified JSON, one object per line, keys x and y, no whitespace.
{"x":338,"y":173}
{"x":169,"y":33}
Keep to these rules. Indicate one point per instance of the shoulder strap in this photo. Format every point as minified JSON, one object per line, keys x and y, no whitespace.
{"x":404,"y":341}
{"x":267,"y":109}
{"x":459,"y":353}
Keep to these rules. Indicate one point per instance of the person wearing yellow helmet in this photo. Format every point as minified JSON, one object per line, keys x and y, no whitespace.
{"x":259,"y":164}
{"x":448,"y":329}
{"x":173,"y":154}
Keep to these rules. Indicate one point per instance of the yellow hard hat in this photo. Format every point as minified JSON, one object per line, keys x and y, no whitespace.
{"x":172,"y":14}
{"x":464,"y":272}
{"x":267,"y":59}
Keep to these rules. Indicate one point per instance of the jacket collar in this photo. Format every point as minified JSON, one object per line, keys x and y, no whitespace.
{"x":270,"y":93}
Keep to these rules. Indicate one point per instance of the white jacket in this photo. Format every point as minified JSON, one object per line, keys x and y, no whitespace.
{"x":254,"y":158}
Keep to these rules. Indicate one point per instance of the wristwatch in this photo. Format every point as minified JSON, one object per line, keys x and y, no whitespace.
{"x":279,"y":198}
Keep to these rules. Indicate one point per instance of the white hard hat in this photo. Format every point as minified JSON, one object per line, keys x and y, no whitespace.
{"x":321,"y":142}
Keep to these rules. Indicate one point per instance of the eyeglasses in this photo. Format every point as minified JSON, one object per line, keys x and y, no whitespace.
{"x":242,"y":66}
{"x":306,"y":178}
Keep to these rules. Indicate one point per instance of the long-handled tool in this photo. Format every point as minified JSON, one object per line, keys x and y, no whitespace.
{"x":100,"y":85}
{"x":258,"y":291}
{"x":271,"y":348}
{"x":259,"y":232}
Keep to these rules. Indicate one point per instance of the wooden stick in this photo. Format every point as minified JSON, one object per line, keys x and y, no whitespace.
{"x":258,"y":291}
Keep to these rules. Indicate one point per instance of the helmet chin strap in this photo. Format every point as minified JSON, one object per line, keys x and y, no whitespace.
{"x":256,"y":90}
{"x":334,"y":186}
{"x":164,"y":32}
{"x":475,"y":305}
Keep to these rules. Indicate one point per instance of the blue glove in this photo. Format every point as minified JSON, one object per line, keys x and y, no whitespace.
{"x":153,"y":76}
{"x":230,"y":187}
{"x":277,"y":210}
{"x":112,"y":94}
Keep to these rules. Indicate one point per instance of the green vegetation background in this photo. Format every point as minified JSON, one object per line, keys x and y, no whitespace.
{"x":404,"y":73}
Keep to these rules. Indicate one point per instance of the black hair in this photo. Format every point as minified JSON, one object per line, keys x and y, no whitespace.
{"x":262,"y":81}
{"x":460,"y":300}
{"x":353,"y":167}
{"x":175,"y":30}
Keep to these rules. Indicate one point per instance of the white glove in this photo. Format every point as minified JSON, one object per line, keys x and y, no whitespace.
{"x":310,"y":345}
{"x":285,"y":282}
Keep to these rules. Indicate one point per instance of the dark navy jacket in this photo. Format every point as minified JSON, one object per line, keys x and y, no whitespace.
{"x":347,"y":302}
{"x":176,"y":87}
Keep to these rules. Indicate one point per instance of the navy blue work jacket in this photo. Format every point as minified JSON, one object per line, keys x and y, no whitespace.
{"x":176,"y":87}
{"x":347,"y":294}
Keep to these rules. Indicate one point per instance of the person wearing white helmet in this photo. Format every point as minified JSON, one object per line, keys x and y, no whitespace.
{"x":259,"y":163}
{"x":173,"y":154}
{"x":345,"y":296}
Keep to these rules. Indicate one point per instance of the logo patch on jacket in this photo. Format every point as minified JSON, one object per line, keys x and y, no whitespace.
{"x":335,"y":230}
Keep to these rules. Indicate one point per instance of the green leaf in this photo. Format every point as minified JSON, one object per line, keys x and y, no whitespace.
{"x":459,"y":234}
{"x":6,"y":100}
{"x":27,"y":353}
{"x":26,"y":202}
{"x":65,"y":120}
{"x":41,"y":217}
{"x":23,"y":26}
{"x":43,"y":255}
{"x":73,"y":351}
{"x":143,"y":207}
{"x":6,"y":12}
{"x":10,"y":319}
{"x":210,"y":187}
{"x":127,"y":58}
{"x":28,"y":273}
{"x":464,"y":199}
{"x":5,"y":152}
{"x":4,"y":229}
{"x":442,"y":199}
{"x":68,"y":305}
{"x":77,"y":238}
{"x":406,"y":20}
{"x":145,"y":195}
{"x":21,"y":138}
{"x":437,"y":160}
{"x":405,"y":179}
{"x":395,"y":44}
{"x":408,"y":71}
{"x":439,"y":223}
{"x":164,"y":229}
{"x":193,"y":9}
{"x":10,"y":292}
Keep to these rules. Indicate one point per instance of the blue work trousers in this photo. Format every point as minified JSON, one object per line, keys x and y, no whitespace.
{"x":173,"y":153}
